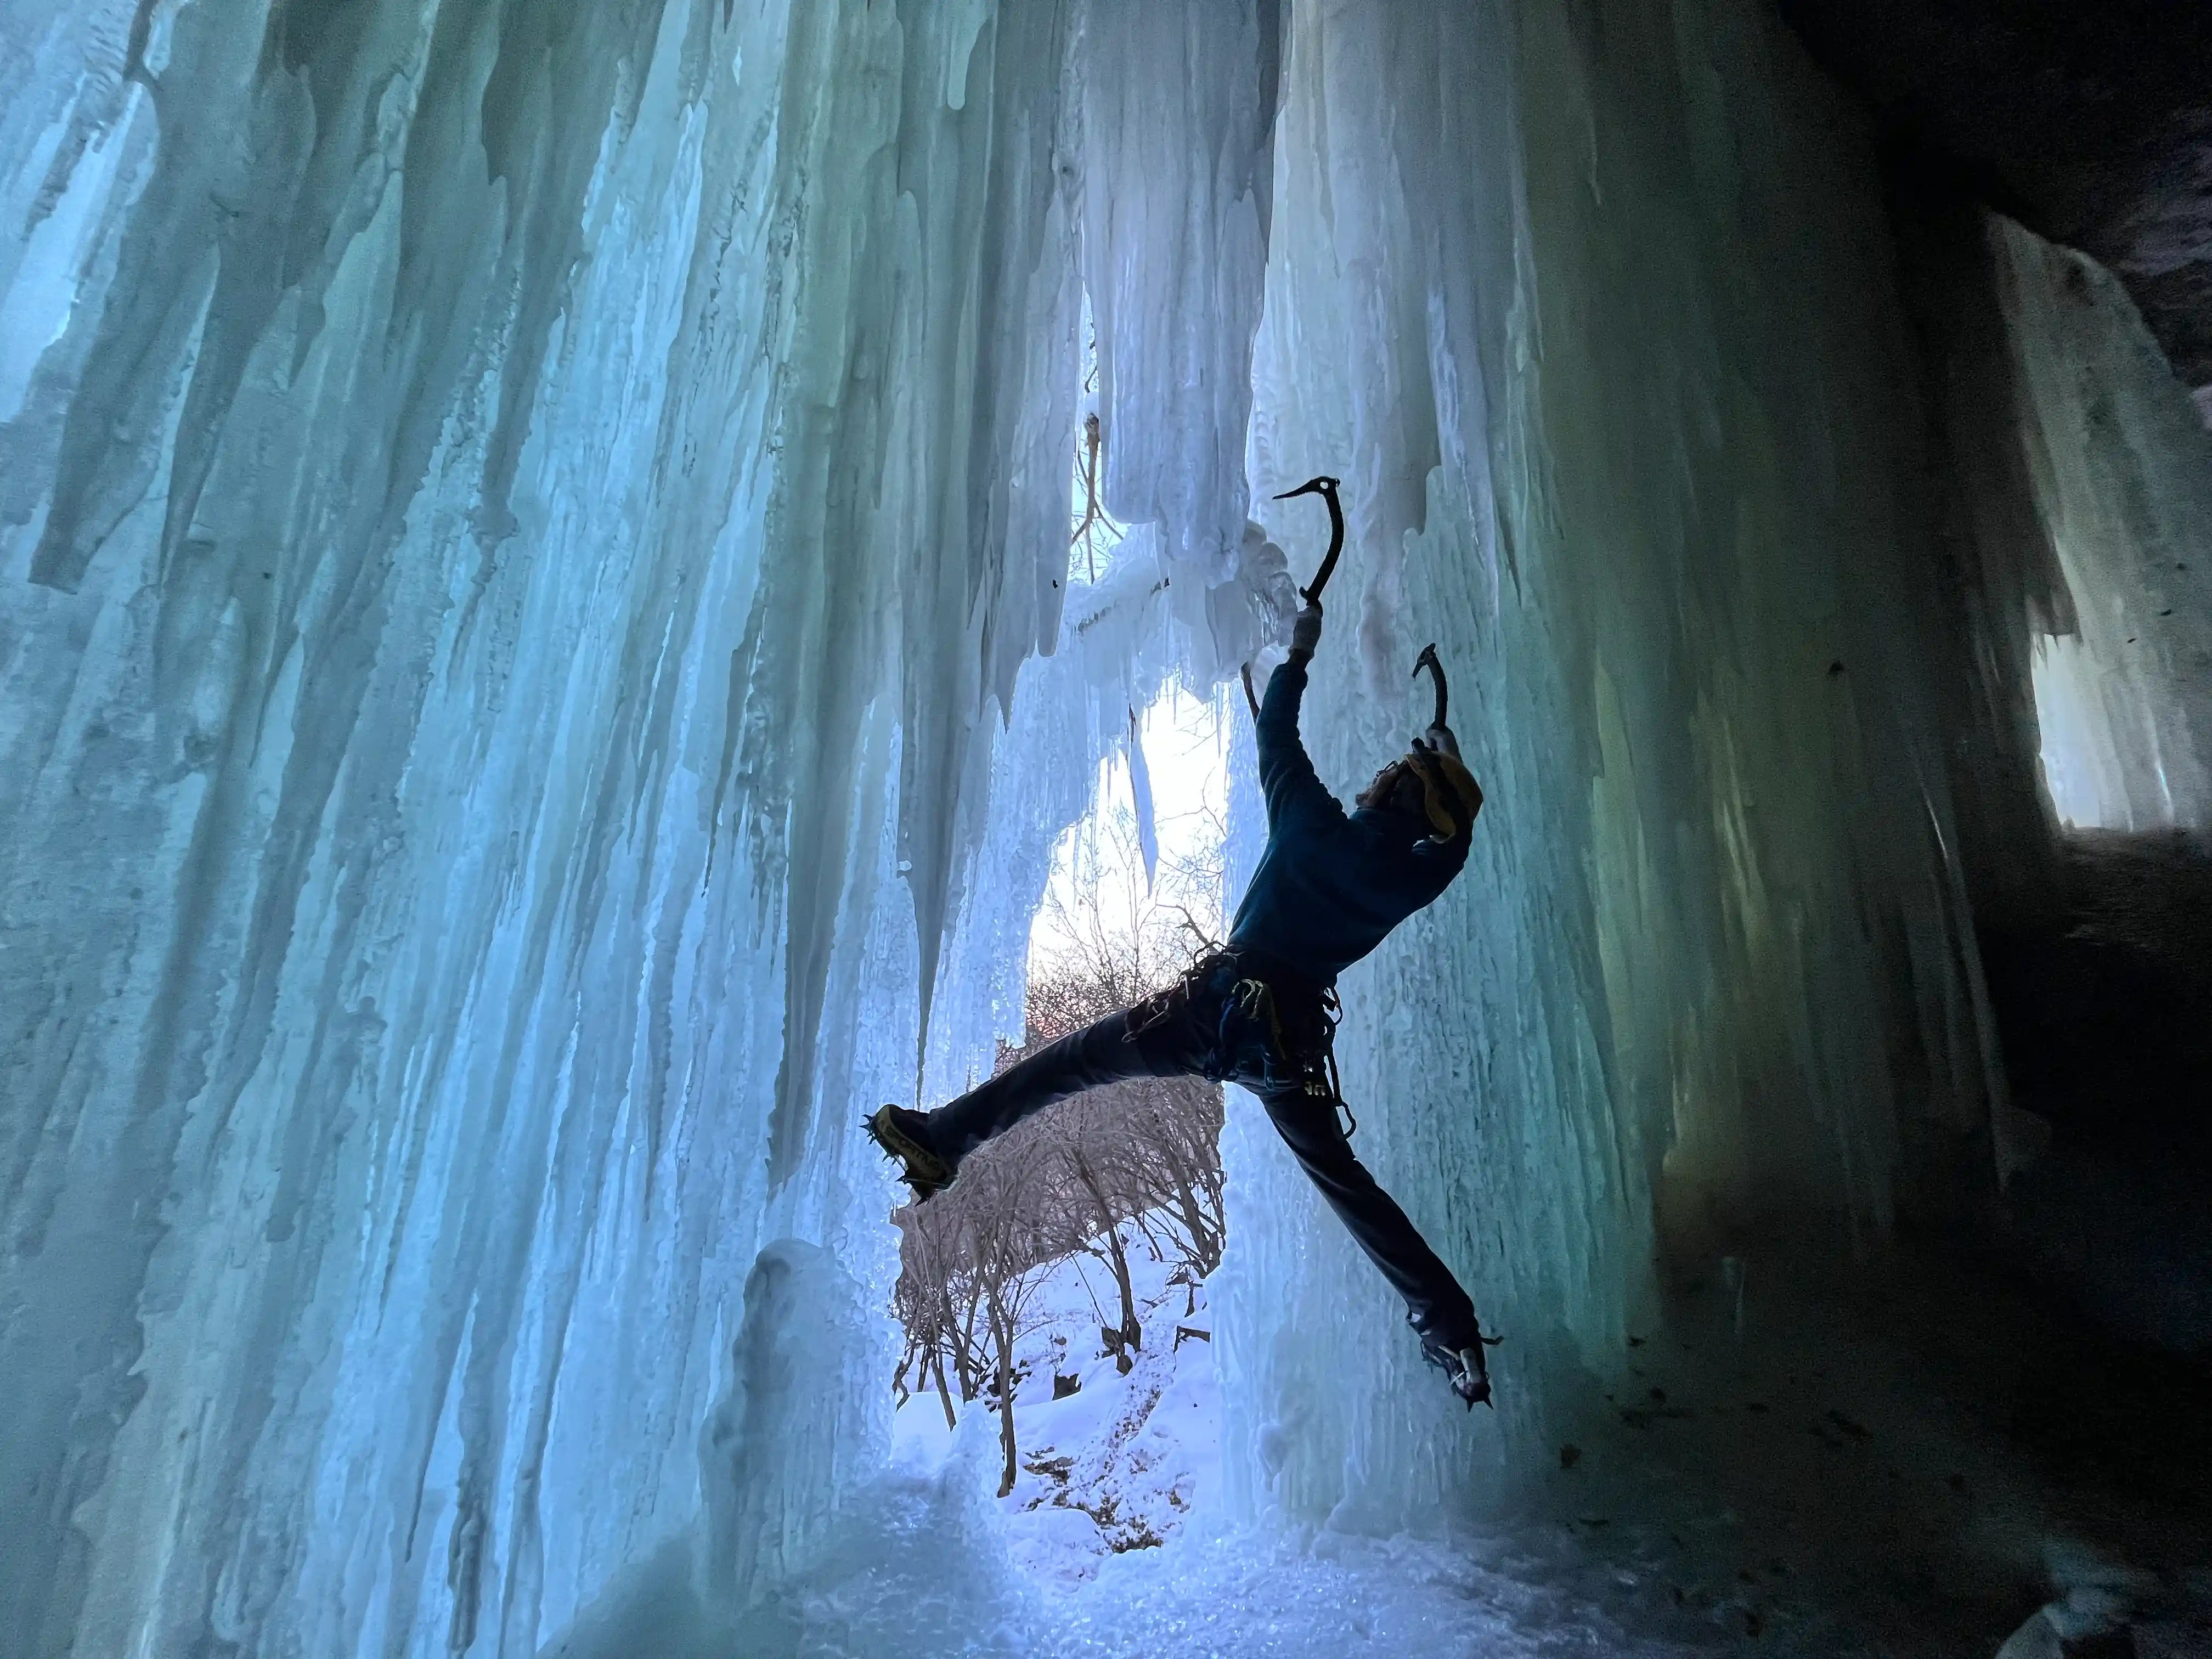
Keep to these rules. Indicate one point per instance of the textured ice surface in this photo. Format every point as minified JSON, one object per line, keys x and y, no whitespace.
{"x":924,"y":1570}
{"x":1598,"y":313}
{"x":2121,"y":470}
{"x":526,"y":535}
{"x":519,"y":525}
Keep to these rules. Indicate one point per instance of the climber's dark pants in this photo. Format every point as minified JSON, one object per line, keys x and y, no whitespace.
{"x":1184,"y":1033}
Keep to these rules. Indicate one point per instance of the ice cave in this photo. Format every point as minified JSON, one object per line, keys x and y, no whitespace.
{"x":542,"y":679}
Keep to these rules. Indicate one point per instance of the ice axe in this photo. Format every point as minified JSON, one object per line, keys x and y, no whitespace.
{"x":1326,"y":489}
{"x":1428,"y":660}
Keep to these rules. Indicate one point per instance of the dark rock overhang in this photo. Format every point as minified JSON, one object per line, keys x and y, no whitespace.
{"x":2091,"y":123}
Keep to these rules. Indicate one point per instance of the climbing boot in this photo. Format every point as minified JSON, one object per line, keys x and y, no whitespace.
{"x":904,"y":1137}
{"x":1463,"y":1368}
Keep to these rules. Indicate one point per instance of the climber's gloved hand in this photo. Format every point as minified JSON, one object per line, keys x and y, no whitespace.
{"x":1439,"y":740}
{"x":1305,"y":631}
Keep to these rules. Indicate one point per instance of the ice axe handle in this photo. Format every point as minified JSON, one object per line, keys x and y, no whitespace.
{"x":1326,"y":489}
{"x":1428,"y":660}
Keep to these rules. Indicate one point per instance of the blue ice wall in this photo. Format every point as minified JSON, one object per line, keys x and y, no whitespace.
{"x":520,"y":523}
{"x":1597,"y":305}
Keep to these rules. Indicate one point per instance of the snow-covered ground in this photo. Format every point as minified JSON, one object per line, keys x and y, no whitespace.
{"x":1122,"y":1462}
{"x":1115,"y":1540}
{"x":1114,"y":1530}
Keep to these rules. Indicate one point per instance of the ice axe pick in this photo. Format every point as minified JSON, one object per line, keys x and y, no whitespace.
{"x":1428,"y":660}
{"x":1326,"y":489}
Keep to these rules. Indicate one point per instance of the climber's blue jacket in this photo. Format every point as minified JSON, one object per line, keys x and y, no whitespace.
{"x":1331,"y":884}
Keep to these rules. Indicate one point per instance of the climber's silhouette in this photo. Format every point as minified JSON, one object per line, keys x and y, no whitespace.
{"x":1262,"y":1011}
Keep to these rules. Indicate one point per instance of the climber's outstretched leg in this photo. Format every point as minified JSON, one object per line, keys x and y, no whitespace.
{"x":1159,"y":1037}
{"x":1439,"y":1311}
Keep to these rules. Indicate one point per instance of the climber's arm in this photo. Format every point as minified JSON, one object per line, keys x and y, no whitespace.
{"x":1287,"y":774}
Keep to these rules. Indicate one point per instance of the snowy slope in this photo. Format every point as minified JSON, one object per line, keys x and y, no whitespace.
{"x":1121,"y":1463}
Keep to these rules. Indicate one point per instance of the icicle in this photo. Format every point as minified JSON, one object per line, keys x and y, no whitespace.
{"x":1140,"y":786}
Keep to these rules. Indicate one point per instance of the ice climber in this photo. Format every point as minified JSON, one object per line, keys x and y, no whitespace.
{"x":1262,"y":1011}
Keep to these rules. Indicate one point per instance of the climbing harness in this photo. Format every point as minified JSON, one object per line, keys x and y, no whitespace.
{"x":1310,"y":1051}
{"x":1301,"y":1050}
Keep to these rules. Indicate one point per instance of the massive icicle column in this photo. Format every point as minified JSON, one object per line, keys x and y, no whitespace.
{"x":516,"y":521}
{"x":1596,"y":305}
{"x":2119,"y":472}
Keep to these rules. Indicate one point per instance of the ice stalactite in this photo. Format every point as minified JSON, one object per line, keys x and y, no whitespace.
{"x":1173,"y":258}
{"x":779,"y":1452}
{"x":520,"y":525}
{"x":1601,"y":310}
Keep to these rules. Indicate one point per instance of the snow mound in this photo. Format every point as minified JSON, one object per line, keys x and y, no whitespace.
{"x":1109,"y":1462}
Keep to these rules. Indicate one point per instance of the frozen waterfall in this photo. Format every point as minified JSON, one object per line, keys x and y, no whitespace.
{"x":539,"y":678}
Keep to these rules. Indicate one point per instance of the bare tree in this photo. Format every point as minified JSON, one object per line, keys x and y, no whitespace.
{"x":1009,"y":1213}
{"x":1093,"y":525}
{"x":1174,"y":1128}
{"x":935,"y":1300}
{"x":1073,"y":1179}
{"x":1082,"y":1176}
{"x":1107,"y":1167}
{"x":1106,"y":938}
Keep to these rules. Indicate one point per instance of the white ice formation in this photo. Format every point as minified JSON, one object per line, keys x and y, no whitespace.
{"x":536,"y":682}
{"x":2120,"y":467}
